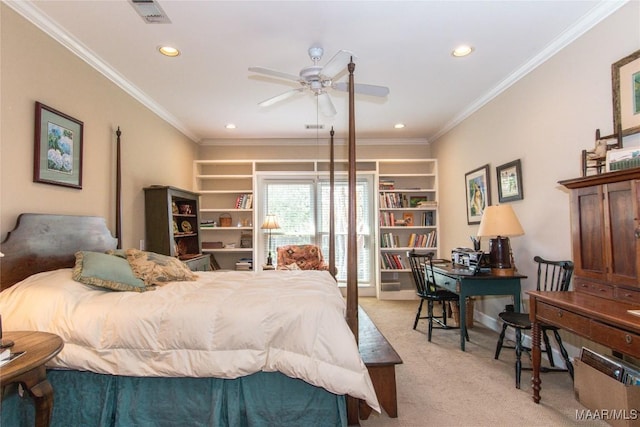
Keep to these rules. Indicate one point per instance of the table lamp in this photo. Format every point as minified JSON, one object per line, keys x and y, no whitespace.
{"x":500,"y":222}
{"x":270,"y":223}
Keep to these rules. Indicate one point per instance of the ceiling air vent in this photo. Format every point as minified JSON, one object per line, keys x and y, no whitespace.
{"x":314,"y":127}
{"x":150,"y":11}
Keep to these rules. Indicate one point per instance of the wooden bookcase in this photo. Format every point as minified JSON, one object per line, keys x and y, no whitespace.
{"x":172,"y":225}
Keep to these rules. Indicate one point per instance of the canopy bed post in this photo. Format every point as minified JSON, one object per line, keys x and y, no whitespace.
{"x":352,"y":255}
{"x":118,"y":190}
{"x":332,"y":232}
{"x":353,"y":413}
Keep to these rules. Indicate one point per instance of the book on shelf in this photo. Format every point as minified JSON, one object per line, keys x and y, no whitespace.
{"x":393,"y":200}
{"x":389,"y":240}
{"x":427,"y":240}
{"x":244,"y":201}
{"x":392,"y":262}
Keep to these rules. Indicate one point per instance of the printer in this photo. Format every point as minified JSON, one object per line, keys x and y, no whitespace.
{"x":469,"y":258}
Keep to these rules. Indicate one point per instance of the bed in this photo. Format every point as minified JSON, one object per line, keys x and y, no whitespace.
{"x":113,"y":374}
{"x":229,"y":348}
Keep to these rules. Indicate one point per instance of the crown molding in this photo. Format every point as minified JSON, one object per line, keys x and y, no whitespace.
{"x":312,"y":141}
{"x":59,"y":34}
{"x":588,"y":21}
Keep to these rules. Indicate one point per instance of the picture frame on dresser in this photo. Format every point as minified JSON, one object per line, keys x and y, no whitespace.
{"x":510,"y":182}
{"x":625,"y":81}
{"x":57,"y":148}
{"x":477,"y":193}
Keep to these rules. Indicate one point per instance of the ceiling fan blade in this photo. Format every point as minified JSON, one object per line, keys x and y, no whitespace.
{"x":364,"y":89}
{"x":325,"y":104}
{"x":274,"y":73}
{"x":281,"y":97}
{"x":337,"y":63}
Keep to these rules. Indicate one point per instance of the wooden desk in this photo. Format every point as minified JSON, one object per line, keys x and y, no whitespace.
{"x":464,"y":284}
{"x":600,"y":320}
{"x":29,"y":369}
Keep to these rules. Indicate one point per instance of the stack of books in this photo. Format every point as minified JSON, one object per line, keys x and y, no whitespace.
{"x":244,"y":264}
{"x":386,"y":184}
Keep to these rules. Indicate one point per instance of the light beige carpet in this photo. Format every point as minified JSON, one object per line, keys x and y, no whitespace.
{"x":439,"y":385}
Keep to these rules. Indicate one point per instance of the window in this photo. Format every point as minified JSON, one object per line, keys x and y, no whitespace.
{"x":302,"y":208}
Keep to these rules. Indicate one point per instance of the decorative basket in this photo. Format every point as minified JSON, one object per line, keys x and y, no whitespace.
{"x":225,"y":220}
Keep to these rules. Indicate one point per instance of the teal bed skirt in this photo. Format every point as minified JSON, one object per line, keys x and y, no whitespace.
{"x":86,"y":399}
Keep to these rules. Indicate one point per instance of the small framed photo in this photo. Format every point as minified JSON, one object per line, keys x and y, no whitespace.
{"x":408,"y":219}
{"x":477,"y":193}
{"x":625,"y":81}
{"x":510,"y":182}
{"x":58,"y":148}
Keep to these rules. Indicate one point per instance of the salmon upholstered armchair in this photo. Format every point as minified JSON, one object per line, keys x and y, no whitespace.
{"x":301,"y":257}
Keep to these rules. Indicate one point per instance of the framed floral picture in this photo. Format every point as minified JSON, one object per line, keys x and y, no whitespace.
{"x":625,"y":79}
{"x":509,"y":182}
{"x":58,"y":148}
{"x":477,"y":193}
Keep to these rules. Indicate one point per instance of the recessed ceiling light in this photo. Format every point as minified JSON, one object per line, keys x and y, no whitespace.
{"x":463,"y":50}
{"x":169,"y":51}
{"x":230,"y":126}
{"x":398,"y":126}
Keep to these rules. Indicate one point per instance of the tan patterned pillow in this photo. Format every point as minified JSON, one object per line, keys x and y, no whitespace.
{"x":156,"y":269}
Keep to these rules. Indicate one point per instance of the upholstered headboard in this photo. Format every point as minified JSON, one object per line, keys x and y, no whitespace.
{"x":43,"y":242}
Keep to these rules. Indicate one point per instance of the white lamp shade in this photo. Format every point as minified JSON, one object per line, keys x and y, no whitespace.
{"x":270,"y":222}
{"x":499,"y":220}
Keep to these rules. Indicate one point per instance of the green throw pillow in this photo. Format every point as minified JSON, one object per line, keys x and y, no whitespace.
{"x":106,"y":271}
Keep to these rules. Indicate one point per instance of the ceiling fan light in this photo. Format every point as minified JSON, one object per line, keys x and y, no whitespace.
{"x":230,"y":126}
{"x":398,"y":126}
{"x":461,"y":51}
{"x":169,"y":51}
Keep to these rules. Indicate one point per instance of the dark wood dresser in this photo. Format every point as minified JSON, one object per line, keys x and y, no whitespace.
{"x":605,"y":229}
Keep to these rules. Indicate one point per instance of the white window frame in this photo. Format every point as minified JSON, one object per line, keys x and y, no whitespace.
{"x":367,"y":237}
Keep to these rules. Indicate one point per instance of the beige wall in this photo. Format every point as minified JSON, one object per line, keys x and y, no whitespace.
{"x":545,"y":120}
{"x":36,"y":68}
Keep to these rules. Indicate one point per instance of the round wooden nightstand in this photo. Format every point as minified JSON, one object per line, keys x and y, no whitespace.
{"x":29,"y":369}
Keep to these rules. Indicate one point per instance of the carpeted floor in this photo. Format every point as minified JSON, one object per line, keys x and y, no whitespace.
{"x":439,"y":385}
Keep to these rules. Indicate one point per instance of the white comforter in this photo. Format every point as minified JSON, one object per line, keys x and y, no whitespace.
{"x":225,"y":325}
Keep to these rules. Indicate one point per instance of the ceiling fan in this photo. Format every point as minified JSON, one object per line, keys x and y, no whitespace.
{"x":318,"y":79}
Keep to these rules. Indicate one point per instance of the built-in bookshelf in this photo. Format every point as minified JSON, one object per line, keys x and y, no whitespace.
{"x":226,"y":211}
{"x":407,"y":220}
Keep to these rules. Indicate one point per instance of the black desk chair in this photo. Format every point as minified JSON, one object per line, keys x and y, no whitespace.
{"x":552,"y":276}
{"x":427,"y":290}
